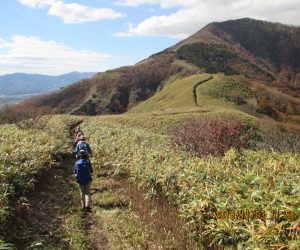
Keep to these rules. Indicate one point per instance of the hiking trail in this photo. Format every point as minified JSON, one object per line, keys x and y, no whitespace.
{"x":196,"y":86}
{"x":121,"y":217}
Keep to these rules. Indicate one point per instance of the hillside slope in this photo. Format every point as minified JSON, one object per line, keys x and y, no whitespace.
{"x":114,"y":91}
{"x":218,"y":94}
{"x":175,"y":95}
{"x":258,"y":49}
{"x":230,"y":47}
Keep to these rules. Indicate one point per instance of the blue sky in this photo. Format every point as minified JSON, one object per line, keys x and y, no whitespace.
{"x":59,"y":36}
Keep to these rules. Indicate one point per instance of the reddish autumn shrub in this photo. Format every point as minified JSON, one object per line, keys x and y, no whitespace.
{"x":26,"y":116}
{"x":203,"y":137}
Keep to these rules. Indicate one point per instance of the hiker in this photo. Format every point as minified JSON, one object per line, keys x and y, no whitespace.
{"x":83,"y":175}
{"x":78,"y":130}
{"x":83,"y":145}
{"x":77,"y":138}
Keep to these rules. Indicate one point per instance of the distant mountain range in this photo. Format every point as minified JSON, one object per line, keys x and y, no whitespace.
{"x":29,"y":84}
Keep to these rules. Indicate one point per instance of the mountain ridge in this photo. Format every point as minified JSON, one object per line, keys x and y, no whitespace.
{"x":219,"y":47}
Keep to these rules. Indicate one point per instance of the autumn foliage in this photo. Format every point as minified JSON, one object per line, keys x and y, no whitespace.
{"x":202,"y":137}
{"x":27,"y":115}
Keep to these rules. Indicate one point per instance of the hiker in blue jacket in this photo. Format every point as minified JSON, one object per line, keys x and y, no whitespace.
{"x":83,"y":175}
{"x":83,"y":145}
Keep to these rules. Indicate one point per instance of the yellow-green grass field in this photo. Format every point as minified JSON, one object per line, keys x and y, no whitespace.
{"x":255,"y":181}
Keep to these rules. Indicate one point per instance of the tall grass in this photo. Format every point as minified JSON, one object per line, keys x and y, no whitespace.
{"x":280,"y":141}
{"x":239,"y":180}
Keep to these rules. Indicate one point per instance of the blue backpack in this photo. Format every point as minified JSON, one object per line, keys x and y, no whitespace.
{"x":83,"y":172}
{"x":82,"y":147}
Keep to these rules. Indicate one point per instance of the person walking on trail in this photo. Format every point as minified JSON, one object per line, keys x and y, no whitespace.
{"x":84,"y":146}
{"x":78,"y":130}
{"x":77,"y":138}
{"x":83,"y":175}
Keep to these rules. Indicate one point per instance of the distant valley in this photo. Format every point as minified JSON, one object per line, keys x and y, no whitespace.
{"x":17,"y":87}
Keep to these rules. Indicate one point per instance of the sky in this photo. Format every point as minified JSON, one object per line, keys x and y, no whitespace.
{"x":58,"y":36}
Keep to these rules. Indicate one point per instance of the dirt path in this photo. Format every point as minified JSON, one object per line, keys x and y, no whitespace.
{"x":98,"y":237}
{"x":51,"y":216}
{"x":96,"y":234}
{"x":196,"y":86}
{"x":122,"y":218}
{"x":40,"y":219}
{"x":105,"y":206}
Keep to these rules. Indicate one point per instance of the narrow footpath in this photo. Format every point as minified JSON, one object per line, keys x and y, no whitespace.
{"x":196,"y":86}
{"x":39,"y":221}
{"x":122,"y":218}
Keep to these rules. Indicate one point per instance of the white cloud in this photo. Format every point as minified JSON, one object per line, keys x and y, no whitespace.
{"x":2,"y":43}
{"x":162,"y":3}
{"x":77,"y":13}
{"x":135,"y":3}
{"x":33,"y":55}
{"x":193,"y":15}
{"x":37,"y":3}
{"x":73,"y":12}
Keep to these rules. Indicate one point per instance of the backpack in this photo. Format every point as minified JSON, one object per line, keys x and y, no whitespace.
{"x":82,"y":147}
{"x":83,"y":172}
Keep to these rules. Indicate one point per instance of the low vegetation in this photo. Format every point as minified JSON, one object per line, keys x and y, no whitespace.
{"x":203,"y":137}
{"x":279,"y":141}
{"x":25,"y":117}
{"x":230,"y":90}
{"x":26,"y":155}
{"x":207,"y":193}
{"x":203,"y":187}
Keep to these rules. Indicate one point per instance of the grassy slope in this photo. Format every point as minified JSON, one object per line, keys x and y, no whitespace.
{"x":213,"y":99}
{"x":175,"y":95}
{"x":138,"y":143}
{"x":177,"y":98}
{"x":27,"y":157}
